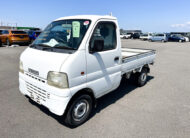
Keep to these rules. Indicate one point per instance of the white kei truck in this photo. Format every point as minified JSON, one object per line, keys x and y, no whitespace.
{"x":77,"y":60}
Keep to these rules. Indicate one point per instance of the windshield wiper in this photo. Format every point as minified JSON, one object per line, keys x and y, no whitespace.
{"x":64,"y":47}
{"x":47,"y":47}
{"x":42,"y":45}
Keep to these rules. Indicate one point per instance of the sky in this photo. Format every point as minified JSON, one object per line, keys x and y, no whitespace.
{"x":146,"y":15}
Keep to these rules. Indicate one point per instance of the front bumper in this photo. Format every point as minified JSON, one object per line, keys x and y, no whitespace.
{"x":37,"y":89}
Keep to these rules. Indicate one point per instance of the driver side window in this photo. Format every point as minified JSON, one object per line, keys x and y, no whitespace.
{"x":105,"y":31}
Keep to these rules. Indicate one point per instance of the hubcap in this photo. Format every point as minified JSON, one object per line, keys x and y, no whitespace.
{"x":80,"y":109}
{"x":143,"y":77}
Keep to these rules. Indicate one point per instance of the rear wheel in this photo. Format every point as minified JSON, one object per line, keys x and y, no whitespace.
{"x":141,"y":78}
{"x":180,"y":41}
{"x":79,"y":110}
{"x":163,"y":41}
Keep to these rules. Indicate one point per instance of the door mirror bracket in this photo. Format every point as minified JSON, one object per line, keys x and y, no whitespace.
{"x":96,"y":46}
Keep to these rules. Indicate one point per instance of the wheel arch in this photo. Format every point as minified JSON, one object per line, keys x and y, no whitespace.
{"x":87,"y":91}
{"x":146,"y":67}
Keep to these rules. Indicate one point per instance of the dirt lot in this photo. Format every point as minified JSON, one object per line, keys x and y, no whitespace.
{"x":159,"y":109}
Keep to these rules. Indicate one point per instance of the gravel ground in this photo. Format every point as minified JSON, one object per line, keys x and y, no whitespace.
{"x":159,"y":109}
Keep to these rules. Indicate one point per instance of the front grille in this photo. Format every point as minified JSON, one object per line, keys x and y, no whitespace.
{"x":35,"y":77}
{"x":42,"y":94}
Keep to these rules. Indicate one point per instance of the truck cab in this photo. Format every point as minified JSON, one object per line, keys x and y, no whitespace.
{"x":76,"y":60}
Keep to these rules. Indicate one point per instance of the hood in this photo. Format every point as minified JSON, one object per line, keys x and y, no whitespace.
{"x":42,"y":62}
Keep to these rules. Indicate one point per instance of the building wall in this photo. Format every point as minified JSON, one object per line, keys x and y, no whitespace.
{"x":6,"y":27}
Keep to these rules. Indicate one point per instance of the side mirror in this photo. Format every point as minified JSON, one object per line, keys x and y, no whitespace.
{"x":96,"y":46}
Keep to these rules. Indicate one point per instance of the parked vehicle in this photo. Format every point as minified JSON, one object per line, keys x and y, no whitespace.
{"x":125,"y":36}
{"x":76,"y":60}
{"x":159,"y":37}
{"x":135,"y":35}
{"x":10,"y":37}
{"x":0,"y":38}
{"x":146,"y":36}
{"x":186,"y":35}
{"x":176,"y":38}
{"x":33,"y":34}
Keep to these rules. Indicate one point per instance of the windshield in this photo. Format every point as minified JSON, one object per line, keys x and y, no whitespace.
{"x":64,"y":34}
{"x":18,"y":32}
{"x":178,"y":35}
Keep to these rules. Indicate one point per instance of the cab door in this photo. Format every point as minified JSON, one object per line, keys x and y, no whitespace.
{"x":103,"y":66}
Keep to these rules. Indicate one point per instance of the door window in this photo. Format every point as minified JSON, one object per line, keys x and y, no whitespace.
{"x":105,"y":31}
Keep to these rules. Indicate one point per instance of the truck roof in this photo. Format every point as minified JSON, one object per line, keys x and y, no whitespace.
{"x":90,"y":17}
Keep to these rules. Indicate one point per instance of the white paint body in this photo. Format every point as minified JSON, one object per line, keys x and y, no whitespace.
{"x":146,"y":37}
{"x":102,"y":73}
{"x":186,"y":39}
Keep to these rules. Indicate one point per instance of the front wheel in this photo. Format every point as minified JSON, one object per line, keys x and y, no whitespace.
{"x":0,"y":43}
{"x":79,"y":111}
{"x":8,"y":42}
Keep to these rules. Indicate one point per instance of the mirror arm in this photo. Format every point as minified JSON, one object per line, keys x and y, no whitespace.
{"x":90,"y":49}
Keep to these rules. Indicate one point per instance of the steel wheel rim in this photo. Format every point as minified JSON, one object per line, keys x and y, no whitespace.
{"x":143,"y":77}
{"x":80,"y":109}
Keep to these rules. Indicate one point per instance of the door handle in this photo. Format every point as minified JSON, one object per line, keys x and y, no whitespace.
{"x":116,"y":58}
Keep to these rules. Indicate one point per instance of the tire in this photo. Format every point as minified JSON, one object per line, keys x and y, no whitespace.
{"x":180,"y":41}
{"x":0,"y":43}
{"x":163,"y":41}
{"x":8,"y":42}
{"x":79,"y":111}
{"x":141,"y":78}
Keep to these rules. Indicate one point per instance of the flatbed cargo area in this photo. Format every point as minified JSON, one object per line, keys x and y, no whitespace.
{"x":130,"y":52}
{"x":133,"y":58}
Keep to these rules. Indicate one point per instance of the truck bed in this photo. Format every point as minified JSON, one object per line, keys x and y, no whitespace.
{"x":133,"y":59}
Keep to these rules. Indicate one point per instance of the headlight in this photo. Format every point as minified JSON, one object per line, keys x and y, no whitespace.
{"x":57,"y":79}
{"x":21,"y":67}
